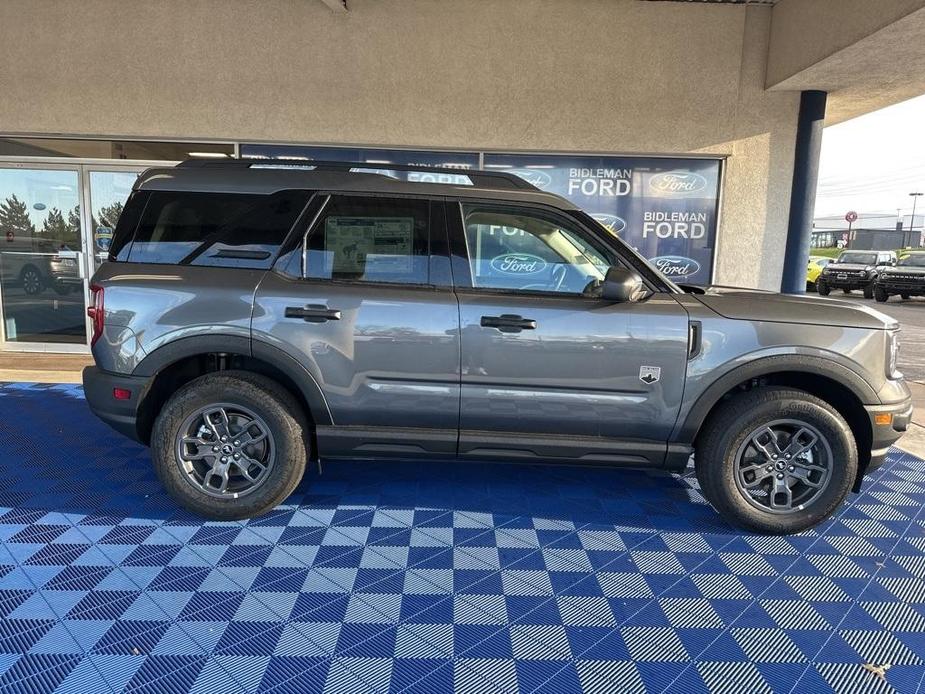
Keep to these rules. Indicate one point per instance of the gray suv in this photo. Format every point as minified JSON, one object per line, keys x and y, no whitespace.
{"x":254,"y":319}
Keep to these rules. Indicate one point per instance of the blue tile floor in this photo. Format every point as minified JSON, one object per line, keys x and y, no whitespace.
{"x":427,"y":577}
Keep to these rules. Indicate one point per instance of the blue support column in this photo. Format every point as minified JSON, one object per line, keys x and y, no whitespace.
{"x":803,"y":192}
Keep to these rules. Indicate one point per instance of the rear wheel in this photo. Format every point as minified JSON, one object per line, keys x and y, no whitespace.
{"x":776,"y":460}
{"x":32,"y":281}
{"x":904,"y":296}
{"x":822,"y":287}
{"x":869,"y":292}
{"x":846,"y":291}
{"x":880,"y":294}
{"x":230,"y":445}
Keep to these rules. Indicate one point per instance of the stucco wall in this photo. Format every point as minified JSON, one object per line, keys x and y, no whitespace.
{"x":578,"y":75}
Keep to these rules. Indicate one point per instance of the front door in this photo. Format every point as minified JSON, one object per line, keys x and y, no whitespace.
{"x":549,"y":370}
{"x":367,"y":308}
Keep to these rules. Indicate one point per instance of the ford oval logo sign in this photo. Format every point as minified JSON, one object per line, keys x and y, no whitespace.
{"x":676,"y":267}
{"x":534,"y":177}
{"x":677,"y":183}
{"x":518,"y":264}
{"x":613,"y":223}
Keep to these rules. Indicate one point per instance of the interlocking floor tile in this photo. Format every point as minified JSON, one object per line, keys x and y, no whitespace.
{"x":400,"y":577}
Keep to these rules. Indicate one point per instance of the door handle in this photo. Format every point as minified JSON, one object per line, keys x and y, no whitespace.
{"x":313,"y":313}
{"x":508,"y":323}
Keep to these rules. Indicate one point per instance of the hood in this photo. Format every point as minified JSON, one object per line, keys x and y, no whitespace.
{"x":904,"y":270}
{"x":754,"y":304}
{"x":840,"y":267}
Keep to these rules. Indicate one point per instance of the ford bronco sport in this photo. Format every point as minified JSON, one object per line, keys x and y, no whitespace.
{"x":254,"y":319}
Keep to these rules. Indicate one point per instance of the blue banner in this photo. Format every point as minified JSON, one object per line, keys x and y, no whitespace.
{"x":665,"y":208}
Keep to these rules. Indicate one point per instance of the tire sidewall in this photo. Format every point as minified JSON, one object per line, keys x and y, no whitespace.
{"x":288,"y":439}
{"x":844,"y":464}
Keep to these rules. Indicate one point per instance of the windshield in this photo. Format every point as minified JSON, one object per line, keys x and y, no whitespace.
{"x":916,"y":260}
{"x":859,"y":258}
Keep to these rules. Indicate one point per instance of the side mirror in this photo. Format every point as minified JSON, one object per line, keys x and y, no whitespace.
{"x":622,"y":285}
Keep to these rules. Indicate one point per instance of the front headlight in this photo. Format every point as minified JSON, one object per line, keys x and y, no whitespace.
{"x":892,"y":354}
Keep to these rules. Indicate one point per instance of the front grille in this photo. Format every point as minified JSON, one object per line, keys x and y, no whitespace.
{"x":905,"y":278}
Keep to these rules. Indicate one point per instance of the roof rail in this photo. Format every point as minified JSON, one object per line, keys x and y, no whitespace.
{"x":484,"y":179}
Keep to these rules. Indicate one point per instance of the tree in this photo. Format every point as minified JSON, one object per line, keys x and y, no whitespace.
{"x":109,"y":215}
{"x":73,"y":220}
{"x":14,"y":217}
{"x":54,"y":228}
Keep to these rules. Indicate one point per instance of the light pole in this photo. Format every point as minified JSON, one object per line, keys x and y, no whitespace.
{"x":915,"y":198}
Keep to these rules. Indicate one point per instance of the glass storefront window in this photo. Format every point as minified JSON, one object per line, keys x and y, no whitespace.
{"x":108,"y":192}
{"x":40,"y":240}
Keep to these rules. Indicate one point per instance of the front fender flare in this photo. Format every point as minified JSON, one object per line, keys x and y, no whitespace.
{"x":689,"y":424}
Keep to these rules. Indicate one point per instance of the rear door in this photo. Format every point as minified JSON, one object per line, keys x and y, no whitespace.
{"x":366,"y":305}
{"x":549,"y":369}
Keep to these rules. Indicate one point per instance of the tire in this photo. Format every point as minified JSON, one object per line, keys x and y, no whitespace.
{"x":905,"y":297}
{"x":61,"y":289}
{"x":822,"y":288}
{"x":869,"y":292}
{"x":846,"y":291}
{"x":280,"y":457}
{"x":727,"y":433}
{"x":32,"y":281}
{"x":880,"y":294}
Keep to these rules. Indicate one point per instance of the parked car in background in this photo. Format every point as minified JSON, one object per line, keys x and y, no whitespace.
{"x":814,"y":268}
{"x":906,"y":279}
{"x":854,"y":270}
{"x":253,"y":319}
{"x":34,"y":265}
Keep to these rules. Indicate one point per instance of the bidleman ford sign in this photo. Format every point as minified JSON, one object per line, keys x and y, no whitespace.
{"x":663,"y":207}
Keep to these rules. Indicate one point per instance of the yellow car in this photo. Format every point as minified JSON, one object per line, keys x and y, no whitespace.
{"x":815,"y":267}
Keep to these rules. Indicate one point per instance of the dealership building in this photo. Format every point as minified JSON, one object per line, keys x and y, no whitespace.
{"x":690,"y":129}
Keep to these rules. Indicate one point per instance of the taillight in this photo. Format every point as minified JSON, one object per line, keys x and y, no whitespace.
{"x":96,"y":312}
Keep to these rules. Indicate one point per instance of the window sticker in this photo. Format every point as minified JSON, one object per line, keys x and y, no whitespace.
{"x":352,"y":242}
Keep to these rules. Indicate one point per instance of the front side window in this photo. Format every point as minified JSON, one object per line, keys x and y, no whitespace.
{"x":370,"y":239}
{"x":528,"y":250}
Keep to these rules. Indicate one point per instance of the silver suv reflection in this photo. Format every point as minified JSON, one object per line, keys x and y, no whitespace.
{"x":254,"y":319}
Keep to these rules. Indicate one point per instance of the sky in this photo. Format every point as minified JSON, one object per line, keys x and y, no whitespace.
{"x":872,"y":163}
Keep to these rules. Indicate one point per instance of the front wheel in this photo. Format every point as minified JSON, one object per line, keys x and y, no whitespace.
{"x":776,"y":460}
{"x":230,"y":445}
{"x":880,"y":294}
{"x":823,"y":287}
{"x":868,"y":292}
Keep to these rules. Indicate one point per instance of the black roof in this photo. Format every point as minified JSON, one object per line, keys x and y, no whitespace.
{"x":268,"y":176}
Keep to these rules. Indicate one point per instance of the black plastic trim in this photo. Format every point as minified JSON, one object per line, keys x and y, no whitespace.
{"x":767,"y":366}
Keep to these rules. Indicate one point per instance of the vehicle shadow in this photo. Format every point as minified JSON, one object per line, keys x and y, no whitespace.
{"x":55,"y":456}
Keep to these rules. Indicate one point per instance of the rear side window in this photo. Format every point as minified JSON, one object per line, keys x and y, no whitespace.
{"x":367,"y":239}
{"x":215,"y":229}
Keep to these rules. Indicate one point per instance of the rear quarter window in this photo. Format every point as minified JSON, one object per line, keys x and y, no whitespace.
{"x":215,"y":229}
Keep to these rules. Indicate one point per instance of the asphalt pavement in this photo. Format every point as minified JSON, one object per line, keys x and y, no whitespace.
{"x":911,"y":361}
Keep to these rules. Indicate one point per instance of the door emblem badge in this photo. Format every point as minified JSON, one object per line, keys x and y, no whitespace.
{"x":650,"y":374}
